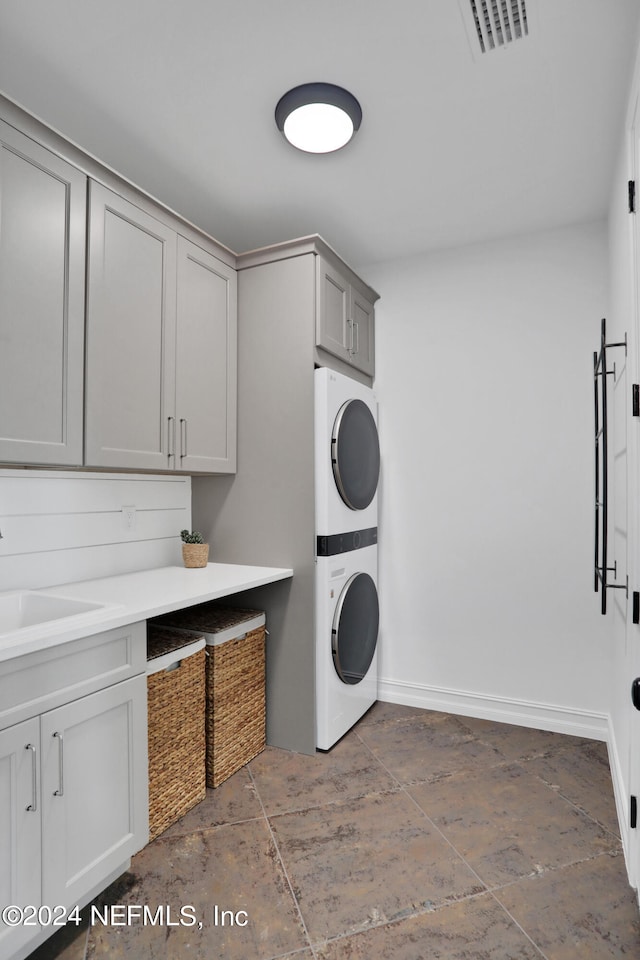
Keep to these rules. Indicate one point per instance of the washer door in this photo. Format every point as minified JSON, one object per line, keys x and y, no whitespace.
{"x":355,"y":628}
{"x":355,"y":454}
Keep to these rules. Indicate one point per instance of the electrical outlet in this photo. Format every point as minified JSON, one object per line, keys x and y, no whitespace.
{"x":129,"y":514}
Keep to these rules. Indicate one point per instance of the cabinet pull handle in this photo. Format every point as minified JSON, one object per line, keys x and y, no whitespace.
{"x":33,"y":806}
{"x":355,"y":341}
{"x":171,"y":437}
{"x":183,"y":438}
{"x":60,"y":791}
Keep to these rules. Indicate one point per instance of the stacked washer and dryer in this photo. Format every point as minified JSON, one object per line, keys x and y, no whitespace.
{"x":347,"y":456}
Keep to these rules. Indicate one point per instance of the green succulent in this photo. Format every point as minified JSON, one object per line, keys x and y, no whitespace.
{"x":193,"y":537}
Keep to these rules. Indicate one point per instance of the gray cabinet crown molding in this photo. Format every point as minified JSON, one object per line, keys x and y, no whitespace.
{"x":39,"y":131}
{"x":32,"y":126}
{"x":313,"y":243}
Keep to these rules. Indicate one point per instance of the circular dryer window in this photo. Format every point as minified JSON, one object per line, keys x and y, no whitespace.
{"x":355,"y":454}
{"x":355,"y":628}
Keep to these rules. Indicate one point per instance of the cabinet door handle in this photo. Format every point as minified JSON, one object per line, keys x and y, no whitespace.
{"x":355,"y":341}
{"x":171,"y":437}
{"x":60,"y":791}
{"x":33,"y":806}
{"x":183,"y":438}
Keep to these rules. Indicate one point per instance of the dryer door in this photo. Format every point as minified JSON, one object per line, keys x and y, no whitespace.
{"x":354,"y":633}
{"x":355,"y":454}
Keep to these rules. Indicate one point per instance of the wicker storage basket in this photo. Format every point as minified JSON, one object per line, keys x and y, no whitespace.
{"x":235,"y":683}
{"x":177,"y":742}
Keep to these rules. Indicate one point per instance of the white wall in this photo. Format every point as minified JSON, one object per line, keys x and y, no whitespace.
{"x":484,"y":379}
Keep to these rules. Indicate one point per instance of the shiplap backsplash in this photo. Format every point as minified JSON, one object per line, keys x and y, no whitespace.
{"x":60,"y":527}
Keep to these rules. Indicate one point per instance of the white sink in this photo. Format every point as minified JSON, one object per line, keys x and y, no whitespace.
{"x":27,"y":608}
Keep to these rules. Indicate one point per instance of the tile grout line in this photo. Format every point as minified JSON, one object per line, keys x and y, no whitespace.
{"x":282,"y":864}
{"x":495,"y":891}
{"x":518,"y":925}
{"x":487,"y":889}
{"x":415,"y":803}
{"x":393,"y":921}
{"x":558,"y":792}
{"x":335,"y":802}
{"x":203,"y":828}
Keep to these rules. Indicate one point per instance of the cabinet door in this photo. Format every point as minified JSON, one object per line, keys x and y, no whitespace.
{"x":362,"y":333}
{"x":19,"y":827}
{"x":42,"y":264}
{"x":332,"y":311}
{"x":130,"y":387}
{"x":94,"y":789}
{"x":205,"y":362}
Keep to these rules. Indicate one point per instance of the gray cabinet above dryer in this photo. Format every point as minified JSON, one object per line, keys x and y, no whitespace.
{"x":341,"y":317}
{"x":344,"y":316}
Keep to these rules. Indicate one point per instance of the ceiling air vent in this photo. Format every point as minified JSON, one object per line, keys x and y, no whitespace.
{"x":499,"y":22}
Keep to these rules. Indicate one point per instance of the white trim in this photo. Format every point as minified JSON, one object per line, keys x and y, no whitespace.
{"x":621,"y":796}
{"x":185,"y":621}
{"x":523,"y":713}
{"x":631,"y":769}
{"x":174,"y":658}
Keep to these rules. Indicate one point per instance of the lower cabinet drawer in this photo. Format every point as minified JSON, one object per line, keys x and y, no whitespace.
{"x":37,"y":682}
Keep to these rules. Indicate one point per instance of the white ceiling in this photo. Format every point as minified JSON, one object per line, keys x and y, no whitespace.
{"x":455,"y":146}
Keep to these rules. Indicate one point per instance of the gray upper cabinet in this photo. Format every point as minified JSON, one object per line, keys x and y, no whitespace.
{"x":362,"y":331}
{"x":333,"y":332}
{"x":344,"y":318}
{"x":130,"y":417}
{"x":161,"y":345}
{"x":42,"y":266}
{"x":206,"y":362}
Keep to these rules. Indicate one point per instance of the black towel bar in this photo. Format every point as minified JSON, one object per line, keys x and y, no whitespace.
{"x":602,"y":468}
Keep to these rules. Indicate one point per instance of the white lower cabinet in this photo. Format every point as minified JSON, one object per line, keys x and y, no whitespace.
{"x":20,"y":830}
{"x":73,"y":805}
{"x":91,"y":800}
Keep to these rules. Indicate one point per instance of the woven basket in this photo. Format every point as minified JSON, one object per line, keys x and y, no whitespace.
{"x":235,"y":711}
{"x":177,"y":744}
{"x":195,"y":554}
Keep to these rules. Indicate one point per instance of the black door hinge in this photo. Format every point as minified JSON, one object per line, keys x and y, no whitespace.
{"x":635,"y":607}
{"x":632,"y":196}
{"x":633,"y":818}
{"x":635,"y":399}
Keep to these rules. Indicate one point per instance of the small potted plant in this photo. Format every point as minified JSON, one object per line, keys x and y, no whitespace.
{"x":195,"y":552}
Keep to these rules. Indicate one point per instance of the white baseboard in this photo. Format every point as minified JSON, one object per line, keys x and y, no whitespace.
{"x":621,"y":795}
{"x":541,"y":716}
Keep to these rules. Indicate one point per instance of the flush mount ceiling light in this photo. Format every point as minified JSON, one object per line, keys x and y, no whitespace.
{"x":318,"y":117}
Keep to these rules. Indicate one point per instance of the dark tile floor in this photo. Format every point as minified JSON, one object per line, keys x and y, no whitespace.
{"x":420,"y":835}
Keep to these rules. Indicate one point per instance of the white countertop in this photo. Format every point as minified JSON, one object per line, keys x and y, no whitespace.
{"x":131,"y":597}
